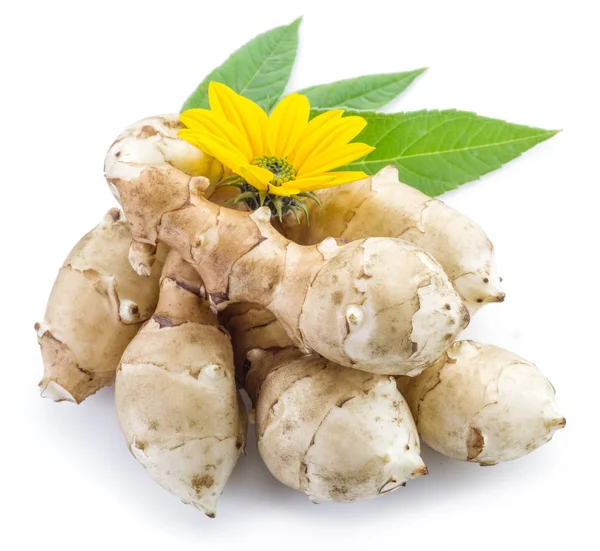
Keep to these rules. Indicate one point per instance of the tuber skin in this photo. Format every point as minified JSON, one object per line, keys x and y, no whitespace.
{"x":341,"y":301}
{"x":97,"y":305}
{"x":483,"y":404}
{"x":381,"y":206}
{"x":331,"y":432}
{"x":175,"y":393}
{"x":154,"y":140}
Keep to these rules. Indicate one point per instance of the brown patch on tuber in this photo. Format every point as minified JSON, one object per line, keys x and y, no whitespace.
{"x":475,"y":443}
{"x":201,"y":482}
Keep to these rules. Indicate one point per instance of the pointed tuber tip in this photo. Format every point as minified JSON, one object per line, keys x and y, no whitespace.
{"x":51,"y":389}
{"x":421,"y":471}
{"x":557,"y":423}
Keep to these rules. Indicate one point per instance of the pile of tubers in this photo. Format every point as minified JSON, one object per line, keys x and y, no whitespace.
{"x":343,"y":332}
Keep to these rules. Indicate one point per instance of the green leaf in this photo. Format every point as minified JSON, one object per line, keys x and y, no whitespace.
{"x":368,"y":92}
{"x":259,"y":70}
{"x":436,"y":151}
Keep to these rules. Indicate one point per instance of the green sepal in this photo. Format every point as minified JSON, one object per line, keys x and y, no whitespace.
{"x":312,"y":196}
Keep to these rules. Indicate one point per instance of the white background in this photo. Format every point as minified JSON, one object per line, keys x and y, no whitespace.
{"x":75,"y":73}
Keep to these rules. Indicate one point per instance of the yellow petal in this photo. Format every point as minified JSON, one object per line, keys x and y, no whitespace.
{"x":347,"y":129}
{"x":333,"y":158}
{"x":284,"y":190}
{"x":336,"y":179}
{"x":287,"y":124}
{"x":256,"y":176}
{"x":205,"y":121}
{"x":314,"y":182}
{"x":316,"y":131}
{"x":324,"y":117}
{"x":190,"y":136}
{"x":249,"y":119}
{"x":214,"y":146}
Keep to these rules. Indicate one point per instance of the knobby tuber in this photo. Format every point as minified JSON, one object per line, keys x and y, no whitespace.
{"x":381,"y":206}
{"x":175,"y":393}
{"x":378,"y":304}
{"x":332,"y":324}
{"x":482,"y":403}
{"x":96,"y":306}
{"x":331,"y":432}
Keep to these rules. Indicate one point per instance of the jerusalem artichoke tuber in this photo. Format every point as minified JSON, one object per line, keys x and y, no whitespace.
{"x":482,"y":403}
{"x":176,"y":396}
{"x":381,"y":206}
{"x":331,"y":432}
{"x":96,"y":306}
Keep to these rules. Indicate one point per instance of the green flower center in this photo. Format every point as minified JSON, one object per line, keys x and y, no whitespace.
{"x":282,"y":169}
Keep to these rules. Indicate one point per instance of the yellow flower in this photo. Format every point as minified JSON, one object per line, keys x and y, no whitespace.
{"x":283,"y":154}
